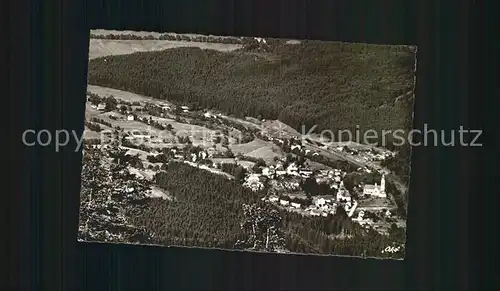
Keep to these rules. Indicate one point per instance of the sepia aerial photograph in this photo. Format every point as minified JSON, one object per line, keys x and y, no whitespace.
{"x":252,"y":144}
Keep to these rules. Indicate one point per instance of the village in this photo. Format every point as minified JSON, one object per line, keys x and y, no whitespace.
{"x":263,"y":155}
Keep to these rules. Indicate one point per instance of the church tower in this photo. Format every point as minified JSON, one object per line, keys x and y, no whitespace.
{"x":382,"y":184}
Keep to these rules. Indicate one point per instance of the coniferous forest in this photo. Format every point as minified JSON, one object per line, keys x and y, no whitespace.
{"x":335,"y":86}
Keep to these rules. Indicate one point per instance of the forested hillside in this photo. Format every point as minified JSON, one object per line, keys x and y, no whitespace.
{"x":333,"y":85}
{"x":207,"y":212}
{"x":207,"y":209}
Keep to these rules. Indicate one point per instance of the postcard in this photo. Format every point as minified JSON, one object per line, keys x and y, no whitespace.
{"x":247,"y":144}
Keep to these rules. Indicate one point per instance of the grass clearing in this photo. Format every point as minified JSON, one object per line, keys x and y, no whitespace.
{"x":258,"y":149}
{"x":278,"y":128}
{"x":123,"y":95}
{"x":250,"y":146}
{"x":246,"y":164}
{"x":374,"y":203}
{"x":90,"y":134}
{"x":107,"y":47}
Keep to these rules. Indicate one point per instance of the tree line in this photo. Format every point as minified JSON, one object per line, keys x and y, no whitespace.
{"x":171,"y":37}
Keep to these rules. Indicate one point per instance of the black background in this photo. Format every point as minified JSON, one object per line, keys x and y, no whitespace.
{"x":47,"y":61}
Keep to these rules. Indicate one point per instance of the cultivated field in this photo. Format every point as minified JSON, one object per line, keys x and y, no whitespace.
{"x":373,"y":203}
{"x":142,"y":154}
{"x":258,"y":149}
{"x":107,"y":47}
{"x":123,"y":95}
{"x":317,"y":166}
{"x":246,"y":164}
{"x":278,"y":128}
{"x":104,"y":32}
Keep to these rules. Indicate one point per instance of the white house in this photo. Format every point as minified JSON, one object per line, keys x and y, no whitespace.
{"x":130,"y":117}
{"x":101,"y":106}
{"x":260,"y":40}
{"x":306,"y":173}
{"x":320,"y":202}
{"x":273,"y":199}
{"x":292,"y":169}
{"x":138,"y":134}
{"x":184,"y":108}
{"x":296,"y":147}
{"x":284,"y":202}
{"x":295,"y":205}
{"x":203,"y":155}
{"x":376,"y":190}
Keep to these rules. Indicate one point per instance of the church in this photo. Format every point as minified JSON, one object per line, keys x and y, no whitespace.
{"x":376,"y":190}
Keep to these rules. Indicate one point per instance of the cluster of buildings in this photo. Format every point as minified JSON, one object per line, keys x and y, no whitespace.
{"x":181,"y":154}
{"x":320,"y":206}
{"x":285,"y":185}
{"x":254,"y":182}
{"x":292,"y":169}
{"x":368,"y":222}
{"x":272,"y":172}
